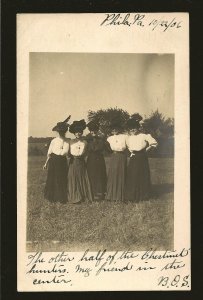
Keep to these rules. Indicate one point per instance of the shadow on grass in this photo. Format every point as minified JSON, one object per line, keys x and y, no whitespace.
{"x":161,"y":189}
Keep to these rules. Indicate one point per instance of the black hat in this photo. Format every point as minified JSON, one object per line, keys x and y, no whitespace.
{"x":62,"y":126}
{"x":77,"y":126}
{"x":93,"y":126}
{"x":133,"y":123}
{"x":137,"y":117}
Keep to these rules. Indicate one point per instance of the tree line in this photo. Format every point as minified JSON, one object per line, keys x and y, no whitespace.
{"x":158,"y":125}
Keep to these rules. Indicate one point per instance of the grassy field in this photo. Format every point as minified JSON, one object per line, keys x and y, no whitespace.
{"x":101,"y":225}
{"x":42,"y":147}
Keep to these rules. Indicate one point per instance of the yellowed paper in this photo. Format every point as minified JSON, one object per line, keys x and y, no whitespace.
{"x":51,"y":51}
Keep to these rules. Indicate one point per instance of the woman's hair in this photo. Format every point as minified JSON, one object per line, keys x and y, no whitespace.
{"x":137,"y":127}
{"x":116,"y":129}
{"x":133,"y":124}
{"x":94,"y":130}
{"x":61,"y":132}
{"x":78,"y":131}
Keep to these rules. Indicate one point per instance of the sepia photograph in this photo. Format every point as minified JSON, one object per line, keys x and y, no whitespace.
{"x":100,"y":101}
{"x":103,"y":152}
{"x":100,"y":151}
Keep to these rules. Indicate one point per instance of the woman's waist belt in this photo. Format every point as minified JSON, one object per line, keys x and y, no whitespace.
{"x":122,"y":151}
{"x":138,"y":151}
{"x":134,"y":152}
{"x":77,"y":156}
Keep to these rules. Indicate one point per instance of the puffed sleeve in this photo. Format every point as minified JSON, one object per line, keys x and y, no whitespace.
{"x":152,"y":142}
{"x":50,"y":150}
{"x":110,"y":142}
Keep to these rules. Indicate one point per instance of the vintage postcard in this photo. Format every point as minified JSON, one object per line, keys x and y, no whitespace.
{"x":103,"y":152}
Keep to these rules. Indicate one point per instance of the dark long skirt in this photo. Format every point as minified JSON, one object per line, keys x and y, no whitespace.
{"x":138,"y":183}
{"x":116,"y":177}
{"x":56,"y":183}
{"x":79,"y":189}
{"x":96,"y":170}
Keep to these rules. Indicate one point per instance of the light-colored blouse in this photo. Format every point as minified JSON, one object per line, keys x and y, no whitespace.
{"x":117,"y":142}
{"x":77,"y":147}
{"x":59,"y":146}
{"x":140,"y":141}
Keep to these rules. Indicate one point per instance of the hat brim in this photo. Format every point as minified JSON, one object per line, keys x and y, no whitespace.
{"x":76,"y":129}
{"x":60,"y":129}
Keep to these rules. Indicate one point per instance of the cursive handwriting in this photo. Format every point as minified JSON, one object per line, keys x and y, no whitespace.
{"x":151,"y":254}
{"x":173,"y":265}
{"x":38,"y":258}
{"x":140,"y":20}
{"x":35,"y":258}
{"x":54,"y":269}
{"x":127,"y":267}
{"x":85,"y":271}
{"x":128,"y":19}
{"x":145,"y":268}
{"x":98,"y":257}
{"x":61,"y":257}
{"x":127,"y":255}
{"x":55,"y":279}
{"x":58,"y":268}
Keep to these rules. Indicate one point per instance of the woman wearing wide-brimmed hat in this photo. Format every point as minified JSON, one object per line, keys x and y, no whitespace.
{"x":56,"y":183}
{"x":138,"y":183}
{"x":79,"y":189}
{"x":117,"y":164}
{"x":96,"y":166}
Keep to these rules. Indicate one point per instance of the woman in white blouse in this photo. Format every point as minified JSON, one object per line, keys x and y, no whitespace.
{"x":138,"y":183}
{"x":56,"y":183}
{"x":117,"y":166}
{"x":79,"y":189}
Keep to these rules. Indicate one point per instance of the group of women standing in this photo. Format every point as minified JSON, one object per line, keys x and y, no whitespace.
{"x":85,"y":178}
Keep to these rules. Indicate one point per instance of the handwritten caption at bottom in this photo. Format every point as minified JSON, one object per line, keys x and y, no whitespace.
{"x":59,"y":268}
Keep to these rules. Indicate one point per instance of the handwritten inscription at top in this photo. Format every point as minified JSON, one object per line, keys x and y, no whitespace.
{"x":140,"y":20}
{"x":127,"y":19}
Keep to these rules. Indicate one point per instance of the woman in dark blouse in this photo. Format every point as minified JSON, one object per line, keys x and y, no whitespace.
{"x":96,"y":167}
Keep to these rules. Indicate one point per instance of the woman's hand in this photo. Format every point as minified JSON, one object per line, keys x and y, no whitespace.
{"x":44,"y":166}
{"x":132,"y":153}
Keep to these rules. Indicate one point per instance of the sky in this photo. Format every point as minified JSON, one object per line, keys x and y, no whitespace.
{"x":62,"y":84}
